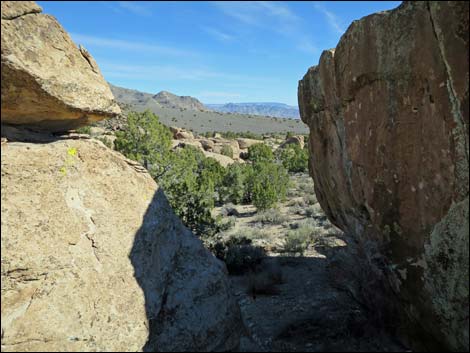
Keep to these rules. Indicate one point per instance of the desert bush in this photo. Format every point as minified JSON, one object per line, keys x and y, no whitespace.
{"x":293,"y":158}
{"x":297,"y":240}
{"x":192,"y":185}
{"x":239,"y":254}
{"x":229,"y":210}
{"x":260,"y":153}
{"x":84,"y":130}
{"x":145,"y":140}
{"x":268,"y":184}
{"x":272,"y":216}
{"x":226,"y":223}
{"x":192,"y":182}
{"x":107,"y":142}
{"x":237,"y":183}
{"x":227,"y":151}
{"x":310,"y":199}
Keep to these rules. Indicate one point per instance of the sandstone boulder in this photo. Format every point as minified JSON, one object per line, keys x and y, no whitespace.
{"x":223,"y":160}
{"x":388,"y":117}
{"x":93,"y":258}
{"x":184,"y":135}
{"x":294,"y":140}
{"x":47,"y":81}
{"x":245,"y":143}
{"x":233,"y":144}
{"x":207,"y":144}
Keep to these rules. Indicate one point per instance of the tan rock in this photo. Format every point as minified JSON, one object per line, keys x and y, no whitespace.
{"x":92,"y":256}
{"x":388,"y":117}
{"x":294,"y":140}
{"x":223,"y":160}
{"x":14,"y":9}
{"x":233,"y":144}
{"x":47,"y":82}
{"x":245,"y":143}
{"x":184,"y":135}
{"x":207,"y":144}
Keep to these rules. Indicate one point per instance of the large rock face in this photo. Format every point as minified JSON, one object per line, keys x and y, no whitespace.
{"x":94,"y":259}
{"x":47,"y":82}
{"x":388,"y":117}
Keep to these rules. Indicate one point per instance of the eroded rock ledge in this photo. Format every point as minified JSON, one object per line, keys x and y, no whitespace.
{"x":47,"y":82}
{"x":388,"y":117}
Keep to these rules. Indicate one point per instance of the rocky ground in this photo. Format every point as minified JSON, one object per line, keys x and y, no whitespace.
{"x":306,"y":311}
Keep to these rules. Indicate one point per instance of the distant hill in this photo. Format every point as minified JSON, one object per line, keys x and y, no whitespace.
{"x":279,"y":110}
{"x":162,"y":99}
{"x":189,"y":113}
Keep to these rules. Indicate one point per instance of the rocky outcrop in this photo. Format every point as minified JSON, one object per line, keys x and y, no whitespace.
{"x":47,"y":82}
{"x":93,"y":258}
{"x":224,"y":161}
{"x":388,"y":117}
{"x":244,"y":143}
{"x":293,"y":140}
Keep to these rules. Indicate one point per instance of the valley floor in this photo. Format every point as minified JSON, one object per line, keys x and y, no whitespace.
{"x":306,"y":311}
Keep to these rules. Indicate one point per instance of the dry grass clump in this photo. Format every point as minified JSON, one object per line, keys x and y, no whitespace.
{"x":271,"y":216}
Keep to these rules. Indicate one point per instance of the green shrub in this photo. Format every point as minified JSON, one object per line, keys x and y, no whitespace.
{"x":145,"y":140}
{"x":260,"y":153}
{"x":271,"y":216}
{"x":293,"y":158}
{"x":191,"y":181}
{"x":227,"y":151}
{"x":239,"y":255}
{"x":192,"y":184}
{"x":236,"y":183}
{"x":269,"y":184}
{"x":84,"y":130}
{"x":107,"y":142}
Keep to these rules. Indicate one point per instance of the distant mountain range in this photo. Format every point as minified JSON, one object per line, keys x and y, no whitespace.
{"x":189,"y":113}
{"x":166,"y":99}
{"x":149,"y":101}
{"x":279,"y":110}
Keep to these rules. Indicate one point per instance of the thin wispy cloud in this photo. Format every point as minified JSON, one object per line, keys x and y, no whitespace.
{"x":170,"y":72}
{"x":219,"y":94}
{"x":128,"y":45}
{"x":135,"y":8}
{"x":273,"y":16}
{"x":219,"y":35}
{"x":331,"y":18}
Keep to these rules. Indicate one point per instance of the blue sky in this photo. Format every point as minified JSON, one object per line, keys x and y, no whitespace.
{"x":218,"y":52}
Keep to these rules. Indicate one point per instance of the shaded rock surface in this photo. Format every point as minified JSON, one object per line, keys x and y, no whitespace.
{"x":47,"y":82}
{"x":388,"y":117}
{"x":93,"y":258}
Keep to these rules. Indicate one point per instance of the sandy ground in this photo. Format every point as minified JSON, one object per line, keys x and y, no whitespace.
{"x":308,"y":313}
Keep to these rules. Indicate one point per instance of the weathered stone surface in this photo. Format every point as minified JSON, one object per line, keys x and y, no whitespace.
{"x":14,"y":9}
{"x":294,"y":140}
{"x":92,"y":256}
{"x":190,"y":142}
{"x":207,"y":144}
{"x":233,"y":144}
{"x":245,"y":143}
{"x":223,"y":160}
{"x":184,"y":135}
{"x":47,"y":82}
{"x":388,"y":117}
